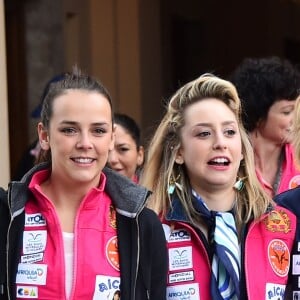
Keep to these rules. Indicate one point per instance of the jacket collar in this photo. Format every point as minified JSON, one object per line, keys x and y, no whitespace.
{"x":128,"y":197}
{"x":176,"y":211}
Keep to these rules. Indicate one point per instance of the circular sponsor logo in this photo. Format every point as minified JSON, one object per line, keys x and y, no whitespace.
{"x":294,"y":182}
{"x":279,"y":257}
{"x":112,"y":253}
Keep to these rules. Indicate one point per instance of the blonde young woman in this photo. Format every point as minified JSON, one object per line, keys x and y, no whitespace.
{"x":200,"y":168}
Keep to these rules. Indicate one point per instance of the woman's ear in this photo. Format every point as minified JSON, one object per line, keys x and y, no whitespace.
{"x":43,"y":136}
{"x":141,"y":155}
{"x":179,"y":157}
{"x":113,"y":136}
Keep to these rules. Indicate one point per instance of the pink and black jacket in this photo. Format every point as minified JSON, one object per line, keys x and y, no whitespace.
{"x":139,"y":272}
{"x":267,"y":247}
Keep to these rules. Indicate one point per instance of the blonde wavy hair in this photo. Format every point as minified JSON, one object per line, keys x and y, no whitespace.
{"x":160,"y":166}
{"x":295,"y":132}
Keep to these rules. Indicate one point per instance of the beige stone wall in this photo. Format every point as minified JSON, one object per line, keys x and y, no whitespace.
{"x":103,"y":38}
{"x":44,"y":50}
{"x":4,"y":142}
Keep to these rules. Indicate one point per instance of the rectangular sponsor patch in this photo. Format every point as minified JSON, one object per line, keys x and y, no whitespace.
{"x":180,"y":258}
{"x":32,"y":258}
{"x":106,"y":287}
{"x":34,"y":220}
{"x":274,"y":291}
{"x":183,"y":291}
{"x":27,"y":292}
{"x":296,"y":264}
{"x":296,"y":295}
{"x":32,"y":274}
{"x":179,"y":235}
{"x":34,"y":241}
{"x":181,"y":276}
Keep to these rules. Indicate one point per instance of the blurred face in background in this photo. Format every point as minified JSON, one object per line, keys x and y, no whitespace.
{"x":277,"y":126}
{"x":126,"y":156}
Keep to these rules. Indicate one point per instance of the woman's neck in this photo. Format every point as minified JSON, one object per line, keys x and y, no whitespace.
{"x":218,"y":200}
{"x":66,"y":200}
{"x":267,"y":157}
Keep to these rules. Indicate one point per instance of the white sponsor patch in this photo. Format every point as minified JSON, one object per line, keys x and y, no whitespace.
{"x":27,"y":292}
{"x":181,"y":276}
{"x":167,"y":231}
{"x":106,"y":287}
{"x":180,"y":258}
{"x":183,"y":291}
{"x":34,"y":241}
{"x":32,"y":258}
{"x":179,"y":235}
{"x":296,"y":264}
{"x":298,"y":246}
{"x":274,"y":291}
{"x":32,"y":274}
{"x":34,"y":220}
{"x":296,"y":295}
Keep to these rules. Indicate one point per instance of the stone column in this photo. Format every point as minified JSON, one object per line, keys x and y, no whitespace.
{"x":4,"y":140}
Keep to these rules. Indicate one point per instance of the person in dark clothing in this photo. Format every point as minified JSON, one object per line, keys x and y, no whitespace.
{"x":30,"y":155}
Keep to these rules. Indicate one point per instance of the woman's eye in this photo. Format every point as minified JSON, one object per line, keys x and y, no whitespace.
{"x":99,"y":131}
{"x":286,"y":113}
{"x":68,"y":130}
{"x":203,"y":134}
{"x":230,"y":132}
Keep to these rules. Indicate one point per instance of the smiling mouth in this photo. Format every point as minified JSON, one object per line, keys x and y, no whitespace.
{"x":219,"y":162}
{"x":83,"y":160}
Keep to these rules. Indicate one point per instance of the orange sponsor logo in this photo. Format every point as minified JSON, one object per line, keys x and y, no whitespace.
{"x":112,"y":253}
{"x":294,"y":182}
{"x":278,"y":221}
{"x":279,"y":257}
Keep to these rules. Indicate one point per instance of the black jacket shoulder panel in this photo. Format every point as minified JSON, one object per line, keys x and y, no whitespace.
{"x":152,"y":264}
{"x":4,"y":222}
{"x":290,"y":199}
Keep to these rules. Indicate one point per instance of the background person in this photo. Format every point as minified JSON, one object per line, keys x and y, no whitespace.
{"x":268,"y":88}
{"x":127,"y":156}
{"x":31,"y":154}
{"x":218,"y":221}
{"x":71,"y":217}
{"x":290,"y":199}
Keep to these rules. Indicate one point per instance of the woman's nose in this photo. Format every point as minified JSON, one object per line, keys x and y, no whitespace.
{"x":84,"y":141}
{"x":219,"y":143}
{"x":112,"y":157}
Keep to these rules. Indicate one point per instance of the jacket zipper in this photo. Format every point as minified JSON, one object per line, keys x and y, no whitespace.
{"x":74,"y":267}
{"x":245,"y":262}
{"x":138,"y":256}
{"x":138,"y":252}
